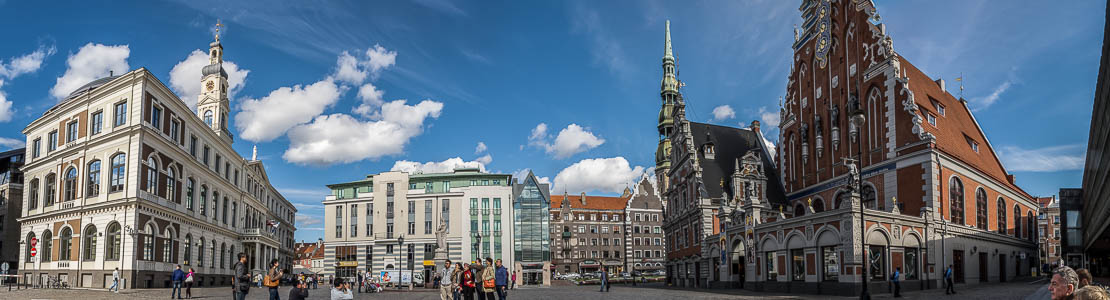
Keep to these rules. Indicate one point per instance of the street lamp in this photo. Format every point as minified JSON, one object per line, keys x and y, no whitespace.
{"x":858,"y":119}
{"x":400,"y":259}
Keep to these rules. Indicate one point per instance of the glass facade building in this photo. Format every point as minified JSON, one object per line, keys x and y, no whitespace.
{"x":532,"y":233}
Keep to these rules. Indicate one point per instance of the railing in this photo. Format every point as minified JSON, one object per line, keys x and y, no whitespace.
{"x":383,"y":235}
{"x":485,"y":211}
{"x":497,"y":211}
{"x":62,"y":265}
{"x":473,"y":211}
{"x":69,"y":204}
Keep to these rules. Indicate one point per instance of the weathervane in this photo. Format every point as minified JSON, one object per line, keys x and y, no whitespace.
{"x":218,"y":25}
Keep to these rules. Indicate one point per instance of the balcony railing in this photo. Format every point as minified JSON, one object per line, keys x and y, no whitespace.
{"x":566,"y":234}
{"x":473,"y":211}
{"x":496,"y":211}
{"x":384,"y":236}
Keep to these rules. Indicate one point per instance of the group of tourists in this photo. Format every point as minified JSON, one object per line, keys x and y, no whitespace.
{"x":463,"y":281}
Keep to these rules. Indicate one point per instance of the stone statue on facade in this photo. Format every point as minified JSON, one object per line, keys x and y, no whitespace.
{"x":805,"y":133}
{"x":441,"y":236}
{"x":834,"y":115}
{"x":818,"y":126}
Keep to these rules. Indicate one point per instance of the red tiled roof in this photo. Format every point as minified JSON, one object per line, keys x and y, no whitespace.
{"x":955,"y":127}
{"x":592,"y":202}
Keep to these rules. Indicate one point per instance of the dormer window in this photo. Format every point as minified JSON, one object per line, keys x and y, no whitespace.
{"x":940,"y":108}
{"x":932,"y":119}
{"x":974,"y":145}
{"x":709,"y":152}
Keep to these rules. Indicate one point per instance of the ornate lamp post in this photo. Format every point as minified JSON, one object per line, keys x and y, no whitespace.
{"x":858,"y":119}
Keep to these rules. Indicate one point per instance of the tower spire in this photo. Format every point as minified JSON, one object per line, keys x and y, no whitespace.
{"x":667,"y":53}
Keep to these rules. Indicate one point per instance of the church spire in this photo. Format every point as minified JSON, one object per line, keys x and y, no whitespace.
{"x":669,"y":94}
{"x":667,"y":45}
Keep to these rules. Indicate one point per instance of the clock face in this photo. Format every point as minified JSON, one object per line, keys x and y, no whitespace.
{"x":211,"y":85}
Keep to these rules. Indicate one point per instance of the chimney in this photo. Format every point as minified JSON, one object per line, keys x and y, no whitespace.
{"x":583,"y":199}
{"x":1010,"y":178}
{"x":940,"y":83}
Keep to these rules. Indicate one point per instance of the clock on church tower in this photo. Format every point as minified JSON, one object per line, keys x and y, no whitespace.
{"x":212,"y":103}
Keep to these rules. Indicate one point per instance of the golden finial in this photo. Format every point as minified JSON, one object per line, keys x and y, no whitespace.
{"x":780,"y":209}
{"x":809,"y":201}
{"x":218,"y":25}
{"x":894,"y":199}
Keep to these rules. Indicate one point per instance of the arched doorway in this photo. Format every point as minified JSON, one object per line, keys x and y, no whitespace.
{"x":737,"y":262}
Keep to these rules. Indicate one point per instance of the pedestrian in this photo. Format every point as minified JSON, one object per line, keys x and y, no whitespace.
{"x":604,"y":280}
{"x":258,"y":279}
{"x":189,"y":284}
{"x":949,"y":288}
{"x":273,"y":278}
{"x":299,"y":292}
{"x":1064,"y":281}
{"x":489,"y":279}
{"x":456,"y":278}
{"x":241,"y":284}
{"x":468,"y":282}
{"x":501,"y":280}
{"x":178,"y":278}
{"x":894,"y":278}
{"x":115,"y":281}
{"x":341,"y":290}
{"x":512,"y":285}
{"x":359,"y":281}
{"x":1085,"y":277}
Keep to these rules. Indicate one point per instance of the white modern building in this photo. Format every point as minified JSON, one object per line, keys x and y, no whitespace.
{"x":123,"y":174}
{"x":387,"y":222}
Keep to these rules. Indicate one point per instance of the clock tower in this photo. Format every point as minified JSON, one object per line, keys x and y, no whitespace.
{"x":212,"y":104}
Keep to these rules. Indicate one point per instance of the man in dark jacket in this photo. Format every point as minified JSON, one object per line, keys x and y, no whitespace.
{"x":501,"y":280}
{"x":241,"y":283}
{"x":949,"y":289}
{"x":299,"y":292}
{"x":178,"y":278}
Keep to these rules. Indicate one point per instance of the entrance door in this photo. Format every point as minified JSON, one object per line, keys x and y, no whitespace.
{"x":958,"y":265}
{"x":983,"y":267}
{"x":1002,"y":268}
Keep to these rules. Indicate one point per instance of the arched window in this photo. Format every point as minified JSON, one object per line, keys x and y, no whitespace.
{"x":47,"y":243}
{"x":188,"y":249}
{"x":71,"y":184}
{"x":93,"y":182}
{"x":119,"y":170}
{"x":214,"y":255}
{"x":1002,"y":225}
{"x":33,"y":202}
{"x":152,"y":176}
{"x":981,"y":208}
{"x":225,"y":210}
{"x":223,"y":255}
{"x":66,"y":240}
{"x":200,"y":253}
{"x":230,"y":258}
{"x":171,"y":184}
{"x":203,"y":200}
{"x":215,"y":210}
{"x":113,"y":245}
{"x":956,"y":201}
{"x":1017,"y":221}
{"x":148,"y":242}
{"x":799,"y":210}
{"x":88,"y":243}
{"x":1032,"y":234}
{"x":27,"y":246}
{"x":167,"y":246}
{"x":208,"y":117}
{"x":51,"y":190}
{"x":818,"y":205}
{"x":869,"y":197}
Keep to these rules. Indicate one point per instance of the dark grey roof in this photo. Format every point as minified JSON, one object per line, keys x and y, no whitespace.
{"x":518,"y":186}
{"x":90,"y":86}
{"x":213,"y":69}
{"x":730,"y":145}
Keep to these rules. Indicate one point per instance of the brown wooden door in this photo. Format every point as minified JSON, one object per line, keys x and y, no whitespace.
{"x":958,"y":265}
{"x":1002,"y":268}
{"x":983,"y":269}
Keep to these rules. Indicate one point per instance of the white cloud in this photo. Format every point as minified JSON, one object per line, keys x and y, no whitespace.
{"x":11,"y":143}
{"x":480,"y":148}
{"x":987,"y":101}
{"x":186,"y":74}
{"x":1047,"y":159}
{"x":91,"y":62}
{"x":304,"y":220}
{"x":723,"y":112}
{"x":371,"y":100}
{"x":519,"y":175}
{"x":768,"y":119}
{"x":571,"y":140}
{"x":607,"y":175}
{"x":262,"y":120}
{"x":354,"y":69}
{"x":446,"y":166}
{"x":28,"y":63}
{"x":340,"y":138}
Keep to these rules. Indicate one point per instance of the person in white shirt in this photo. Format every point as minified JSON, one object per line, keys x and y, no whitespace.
{"x":115,"y":281}
{"x":341,"y":291}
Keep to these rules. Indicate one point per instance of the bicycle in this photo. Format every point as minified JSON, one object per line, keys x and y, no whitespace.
{"x":55,"y":282}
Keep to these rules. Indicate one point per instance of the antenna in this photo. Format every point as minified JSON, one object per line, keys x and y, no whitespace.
{"x":961,"y":81}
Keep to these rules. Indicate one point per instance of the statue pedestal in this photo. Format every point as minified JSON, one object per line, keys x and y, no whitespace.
{"x":440,"y":258}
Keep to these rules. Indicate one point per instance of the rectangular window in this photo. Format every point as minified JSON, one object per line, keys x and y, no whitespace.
{"x":412,"y":217}
{"x":877,"y":262}
{"x":52,"y":141}
{"x":36,"y":147}
{"x":338,"y":221}
{"x":769,"y":263}
{"x":206,"y":150}
{"x":830,"y":263}
{"x":911,"y":261}
{"x":193,"y":146}
{"x":174,"y":125}
{"x":428,"y":216}
{"x":156,"y":117}
{"x":446,"y":214}
{"x":97,"y":122}
{"x":354,"y":220}
{"x":932,"y":119}
{"x":217,"y":165}
{"x":121,"y":114}
{"x":369,"y":219}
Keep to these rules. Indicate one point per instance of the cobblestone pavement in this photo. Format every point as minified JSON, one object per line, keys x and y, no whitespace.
{"x":1019,"y":290}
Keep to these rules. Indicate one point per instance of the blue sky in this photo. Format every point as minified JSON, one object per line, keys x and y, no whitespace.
{"x":315,"y":75}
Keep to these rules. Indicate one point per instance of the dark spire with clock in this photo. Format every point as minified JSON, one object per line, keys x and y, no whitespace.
{"x":212,"y":104}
